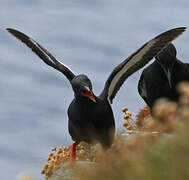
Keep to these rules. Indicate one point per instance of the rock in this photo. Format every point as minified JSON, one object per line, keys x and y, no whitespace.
{"x":65,"y":172}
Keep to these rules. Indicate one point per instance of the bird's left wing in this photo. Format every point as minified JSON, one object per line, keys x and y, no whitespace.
{"x":137,"y":60}
{"x":45,"y":55}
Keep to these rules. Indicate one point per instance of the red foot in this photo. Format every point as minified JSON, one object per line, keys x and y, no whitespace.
{"x":73,"y":153}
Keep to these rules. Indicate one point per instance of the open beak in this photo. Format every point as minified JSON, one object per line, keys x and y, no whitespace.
{"x":89,"y":94}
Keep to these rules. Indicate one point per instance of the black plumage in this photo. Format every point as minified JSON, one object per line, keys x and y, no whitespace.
{"x":90,"y":120}
{"x":90,"y":117}
{"x":160,"y":79}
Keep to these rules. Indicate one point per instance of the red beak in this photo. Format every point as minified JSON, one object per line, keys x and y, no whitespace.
{"x":89,"y":94}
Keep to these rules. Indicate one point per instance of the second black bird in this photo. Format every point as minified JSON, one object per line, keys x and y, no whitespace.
{"x":160,"y":79}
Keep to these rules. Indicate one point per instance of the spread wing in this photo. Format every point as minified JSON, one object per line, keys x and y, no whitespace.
{"x":137,"y":60}
{"x":42,"y":53}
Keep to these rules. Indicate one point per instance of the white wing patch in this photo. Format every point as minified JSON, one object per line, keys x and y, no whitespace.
{"x":42,"y":50}
{"x":136,"y":58}
{"x":36,"y":44}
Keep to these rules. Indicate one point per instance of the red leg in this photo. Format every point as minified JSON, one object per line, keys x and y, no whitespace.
{"x":73,"y":153}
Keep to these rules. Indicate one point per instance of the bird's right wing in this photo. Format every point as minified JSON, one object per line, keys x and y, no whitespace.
{"x":42,"y":53}
{"x":136,"y":61}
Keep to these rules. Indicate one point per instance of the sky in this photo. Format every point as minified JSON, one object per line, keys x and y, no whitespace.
{"x":90,"y":37}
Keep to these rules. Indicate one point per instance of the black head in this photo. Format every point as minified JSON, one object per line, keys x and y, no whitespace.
{"x":167,"y":59}
{"x":82,"y":87}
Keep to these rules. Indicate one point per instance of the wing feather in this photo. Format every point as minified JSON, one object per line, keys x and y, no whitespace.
{"x":137,"y":60}
{"x":46,"y":56}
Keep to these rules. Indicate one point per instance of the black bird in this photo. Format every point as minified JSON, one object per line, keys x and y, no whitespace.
{"x":161,"y":78}
{"x":90,"y":117}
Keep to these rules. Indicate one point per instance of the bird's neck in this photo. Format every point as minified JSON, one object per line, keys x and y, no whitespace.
{"x":167,"y":62}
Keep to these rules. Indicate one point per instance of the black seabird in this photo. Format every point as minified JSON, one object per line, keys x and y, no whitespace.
{"x":160,"y":79}
{"x":90,"y":117}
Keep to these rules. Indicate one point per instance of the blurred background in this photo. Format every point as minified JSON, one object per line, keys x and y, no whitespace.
{"x":90,"y":37}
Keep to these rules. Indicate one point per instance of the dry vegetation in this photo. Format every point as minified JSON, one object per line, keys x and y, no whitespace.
{"x":157,"y":147}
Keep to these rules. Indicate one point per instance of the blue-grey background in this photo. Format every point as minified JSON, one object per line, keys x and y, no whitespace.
{"x":91,"y":37}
